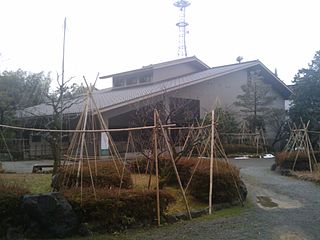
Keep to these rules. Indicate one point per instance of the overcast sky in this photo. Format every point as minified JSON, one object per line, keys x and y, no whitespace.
{"x":111,"y":36}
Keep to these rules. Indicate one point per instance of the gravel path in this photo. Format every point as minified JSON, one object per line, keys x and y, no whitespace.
{"x":291,"y":211}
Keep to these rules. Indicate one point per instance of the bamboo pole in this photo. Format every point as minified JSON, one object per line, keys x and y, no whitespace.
{"x":157,"y":165}
{"x":6,"y":146}
{"x":82,"y":144}
{"x":90,"y":172}
{"x":83,"y":131}
{"x":124,"y":165}
{"x":174,"y":164}
{"x":189,"y":128}
{"x":211,"y":162}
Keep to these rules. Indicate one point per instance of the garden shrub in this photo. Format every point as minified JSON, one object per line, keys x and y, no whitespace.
{"x":225,"y":183}
{"x":285,"y":160}
{"x":116,"y":212}
{"x":141,"y":165}
{"x":107,"y":176}
{"x":226,"y":178}
{"x":1,"y":169}
{"x":10,"y":207}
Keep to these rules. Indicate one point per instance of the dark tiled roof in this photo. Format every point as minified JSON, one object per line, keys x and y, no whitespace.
{"x":110,"y":98}
{"x":192,"y":59}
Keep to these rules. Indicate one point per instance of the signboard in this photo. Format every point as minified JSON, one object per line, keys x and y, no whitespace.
{"x":104,"y":144}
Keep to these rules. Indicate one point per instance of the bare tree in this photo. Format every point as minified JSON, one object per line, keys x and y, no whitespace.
{"x":60,"y":100}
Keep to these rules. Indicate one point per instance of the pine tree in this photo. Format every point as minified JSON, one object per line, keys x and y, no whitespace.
{"x":255,"y":101}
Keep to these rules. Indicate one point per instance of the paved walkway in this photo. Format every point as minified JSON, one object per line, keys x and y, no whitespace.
{"x":23,"y":166}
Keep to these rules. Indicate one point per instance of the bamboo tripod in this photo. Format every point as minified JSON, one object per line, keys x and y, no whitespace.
{"x":91,"y":123}
{"x":299,"y":142}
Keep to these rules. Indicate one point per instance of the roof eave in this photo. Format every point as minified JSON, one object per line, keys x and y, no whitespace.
{"x":166,"y":91}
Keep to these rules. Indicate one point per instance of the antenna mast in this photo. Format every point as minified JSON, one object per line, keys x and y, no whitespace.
{"x":182,"y":24}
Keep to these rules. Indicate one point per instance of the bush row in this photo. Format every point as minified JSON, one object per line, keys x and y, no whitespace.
{"x":241,"y":149}
{"x":1,"y":169}
{"x":108,"y":175}
{"x":113,"y":211}
{"x":285,"y":160}
{"x":10,"y":207}
{"x":227,"y":184}
{"x":226,"y":180}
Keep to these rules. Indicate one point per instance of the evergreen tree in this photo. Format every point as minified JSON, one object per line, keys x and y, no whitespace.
{"x":255,"y":101}
{"x":19,"y":89}
{"x":306,"y":98}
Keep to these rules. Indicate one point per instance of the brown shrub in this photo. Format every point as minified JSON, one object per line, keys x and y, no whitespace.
{"x":286,"y":160}
{"x":107,"y":175}
{"x":10,"y":206}
{"x":1,"y":169}
{"x":226,"y":180}
{"x":113,"y":212}
{"x":225,"y":183}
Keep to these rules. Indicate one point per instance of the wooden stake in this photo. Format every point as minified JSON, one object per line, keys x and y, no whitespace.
{"x":174,"y":164}
{"x":82,"y":145}
{"x":211,"y":162}
{"x":157,"y":165}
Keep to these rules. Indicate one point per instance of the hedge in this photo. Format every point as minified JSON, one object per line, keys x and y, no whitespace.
{"x":117,"y":212}
{"x":1,"y":169}
{"x":241,"y":149}
{"x":225,"y":183}
{"x":107,"y":176}
{"x":10,"y":207}
{"x":285,"y":160}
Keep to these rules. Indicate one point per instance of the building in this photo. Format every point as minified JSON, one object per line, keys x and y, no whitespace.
{"x":187,"y":81}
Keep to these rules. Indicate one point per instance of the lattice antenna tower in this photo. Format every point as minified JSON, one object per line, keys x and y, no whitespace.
{"x":182,"y":25}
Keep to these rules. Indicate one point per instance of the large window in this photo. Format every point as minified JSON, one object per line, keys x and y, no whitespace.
{"x":117,"y":82}
{"x":145,"y":79}
{"x":132,"y":81}
{"x":36,"y":138}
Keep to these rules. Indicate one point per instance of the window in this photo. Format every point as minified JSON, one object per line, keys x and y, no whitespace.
{"x":132,"y":81}
{"x":36,"y":138}
{"x":145,"y":79}
{"x":118,"y":82}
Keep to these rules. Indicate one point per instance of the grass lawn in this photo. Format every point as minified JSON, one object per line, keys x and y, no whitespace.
{"x":35,"y":183}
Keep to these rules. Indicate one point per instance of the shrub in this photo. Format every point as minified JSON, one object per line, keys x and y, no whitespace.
{"x":141,"y":165}
{"x":225,"y":183}
{"x":226,"y":178}
{"x":107,"y":176}
{"x":285,"y":160}
{"x":1,"y":169}
{"x":10,"y":207}
{"x":115,"y":212}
